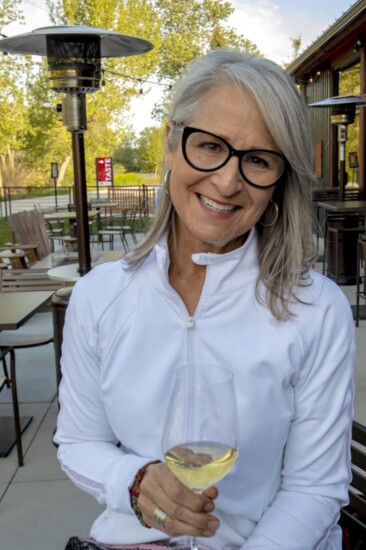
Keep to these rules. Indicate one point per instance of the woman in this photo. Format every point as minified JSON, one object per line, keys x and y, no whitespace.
{"x":223,"y":277}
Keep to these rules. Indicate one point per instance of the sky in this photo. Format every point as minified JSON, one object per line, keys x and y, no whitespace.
{"x":270,"y":24}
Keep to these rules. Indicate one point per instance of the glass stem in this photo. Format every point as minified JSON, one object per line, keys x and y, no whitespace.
{"x":194,"y":545}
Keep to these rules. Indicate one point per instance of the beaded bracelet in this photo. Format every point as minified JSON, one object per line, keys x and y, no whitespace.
{"x":135,"y":492}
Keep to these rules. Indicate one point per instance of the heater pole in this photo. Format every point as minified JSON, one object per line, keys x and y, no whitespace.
{"x":81,"y":201}
{"x":342,"y":138}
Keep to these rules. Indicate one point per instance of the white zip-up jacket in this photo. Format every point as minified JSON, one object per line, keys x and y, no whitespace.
{"x":126,"y":333}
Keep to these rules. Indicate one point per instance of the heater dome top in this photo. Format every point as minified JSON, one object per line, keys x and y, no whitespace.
{"x":340,"y":100}
{"x":113,"y":44}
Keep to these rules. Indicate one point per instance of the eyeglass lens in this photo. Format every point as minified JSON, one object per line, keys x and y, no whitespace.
{"x":205,"y":151}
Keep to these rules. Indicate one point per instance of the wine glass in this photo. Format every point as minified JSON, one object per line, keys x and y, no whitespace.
{"x":200,"y":436}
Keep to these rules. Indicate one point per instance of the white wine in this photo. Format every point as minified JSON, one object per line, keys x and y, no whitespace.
{"x":200,"y":465}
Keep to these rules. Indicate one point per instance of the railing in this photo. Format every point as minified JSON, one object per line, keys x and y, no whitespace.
{"x":14,"y":199}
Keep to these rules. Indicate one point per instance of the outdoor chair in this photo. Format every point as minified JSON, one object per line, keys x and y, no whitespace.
{"x":55,"y":228}
{"x":361,"y":278}
{"x":132,"y":220}
{"x":19,"y":256}
{"x":12,"y":259}
{"x":116,"y":227}
{"x":353,"y":516}
{"x":9,"y":381}
{"x":37,"y":331}
{"x":29,"y":227}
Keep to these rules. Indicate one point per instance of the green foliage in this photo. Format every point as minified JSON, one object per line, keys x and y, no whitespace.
{"x":150,"y":147}
{"x":144,"y":155}
{"x":32,"y":131}
{"x":296,"y":45}
{"x":350,"y":84}
{"x":128,"y":179}
{"x":127,"y":157}
{"x":191,"y":28}
{"x":10,"y":11}
{"x":5,"y":232}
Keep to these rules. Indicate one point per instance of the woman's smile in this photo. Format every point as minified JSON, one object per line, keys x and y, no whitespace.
{"x":217,"y":207}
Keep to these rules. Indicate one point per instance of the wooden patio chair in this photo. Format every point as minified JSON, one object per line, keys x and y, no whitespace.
{"x":29,"y":227}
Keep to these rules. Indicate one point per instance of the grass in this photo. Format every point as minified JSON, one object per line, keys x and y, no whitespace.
{"x":5,"y":231}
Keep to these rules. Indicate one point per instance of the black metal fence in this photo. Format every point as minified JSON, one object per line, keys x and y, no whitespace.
{"x":16,"y":199}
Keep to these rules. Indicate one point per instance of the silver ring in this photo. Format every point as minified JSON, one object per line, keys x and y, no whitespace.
{"x":159,"y":517}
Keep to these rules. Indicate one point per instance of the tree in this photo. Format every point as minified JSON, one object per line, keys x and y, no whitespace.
{"x":10,"y":11}
{"x":46,"y":139}
{"x":13,"y":111}
{"x":150,"y":146}
{"x":190,"y":29}
{"x":296,"y":45}
{"x":127,"y":155}
{"x":179,"y":31}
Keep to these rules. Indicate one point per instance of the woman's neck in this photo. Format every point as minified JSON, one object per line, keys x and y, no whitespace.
{"x":186,"y":277}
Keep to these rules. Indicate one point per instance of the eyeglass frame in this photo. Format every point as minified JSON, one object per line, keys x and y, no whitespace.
{"x":188,"y":130}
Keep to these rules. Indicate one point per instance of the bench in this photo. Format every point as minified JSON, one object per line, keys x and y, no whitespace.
{"x":353,"y":516}
{"x":15,"y":280}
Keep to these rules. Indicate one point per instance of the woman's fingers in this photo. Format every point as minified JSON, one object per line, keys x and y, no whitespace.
{"x":187,"y":513}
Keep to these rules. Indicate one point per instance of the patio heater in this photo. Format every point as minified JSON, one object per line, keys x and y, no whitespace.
{"x":343,"y":110}
{"x":74,"y":63}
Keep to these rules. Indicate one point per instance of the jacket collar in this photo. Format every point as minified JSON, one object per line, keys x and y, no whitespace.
{"x":225,"y":272}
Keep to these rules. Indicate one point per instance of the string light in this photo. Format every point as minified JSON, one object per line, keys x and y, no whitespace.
{"x":139,"y":80}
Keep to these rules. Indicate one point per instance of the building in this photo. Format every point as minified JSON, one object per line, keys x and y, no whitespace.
{"x":335,"y":65}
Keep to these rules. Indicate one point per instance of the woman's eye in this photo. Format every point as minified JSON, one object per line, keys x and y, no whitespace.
{"x":257,"y":161}
{"x":211,"y":146}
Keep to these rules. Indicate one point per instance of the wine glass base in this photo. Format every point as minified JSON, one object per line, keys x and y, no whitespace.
{"x":185,"y":544}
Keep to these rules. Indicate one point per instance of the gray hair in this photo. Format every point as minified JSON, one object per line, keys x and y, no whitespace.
{"x":286,"y":249}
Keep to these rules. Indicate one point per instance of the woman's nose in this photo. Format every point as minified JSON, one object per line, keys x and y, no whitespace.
{"x":228,"y":178}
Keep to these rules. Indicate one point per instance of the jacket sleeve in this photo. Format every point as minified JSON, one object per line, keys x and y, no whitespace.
{"x":87,"y":451}
{"x":316,"y":462}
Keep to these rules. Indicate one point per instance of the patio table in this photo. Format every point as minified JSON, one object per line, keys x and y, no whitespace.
{"x":71,"y":218}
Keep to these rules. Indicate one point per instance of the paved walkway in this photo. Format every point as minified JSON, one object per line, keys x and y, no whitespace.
{"x":39,"y":507}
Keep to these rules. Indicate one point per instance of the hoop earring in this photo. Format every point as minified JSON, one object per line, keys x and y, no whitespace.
{"x":167,"y":181}
{"x":275,"y":218}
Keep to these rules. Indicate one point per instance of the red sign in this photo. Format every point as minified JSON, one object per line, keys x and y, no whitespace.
{"x":104,"y":170}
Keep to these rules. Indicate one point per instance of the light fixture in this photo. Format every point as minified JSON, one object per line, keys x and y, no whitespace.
{"x":343,"y":110}
{"x":357,"y":45}
{"x":74,"y":63}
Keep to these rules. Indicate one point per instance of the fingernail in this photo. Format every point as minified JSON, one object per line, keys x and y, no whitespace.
{"x":209,"y":506}
{"x":211,"y":529}
{"x":213,"y":525}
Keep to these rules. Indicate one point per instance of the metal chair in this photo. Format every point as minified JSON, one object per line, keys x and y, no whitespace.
{"x":7,"y":381}
{"x":116,"y":227}
{"x":37,"y":331}
{"x":361,"y":279}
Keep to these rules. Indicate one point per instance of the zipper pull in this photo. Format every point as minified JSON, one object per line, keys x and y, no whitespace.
{"x":190,"y":322}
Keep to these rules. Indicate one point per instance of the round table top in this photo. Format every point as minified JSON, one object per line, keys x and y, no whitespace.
{"x":69,"y":272}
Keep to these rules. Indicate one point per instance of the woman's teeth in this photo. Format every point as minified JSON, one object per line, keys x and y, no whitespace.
{"x":215,"y":206}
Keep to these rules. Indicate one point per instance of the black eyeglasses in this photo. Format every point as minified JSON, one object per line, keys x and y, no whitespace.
{"x":206,"y":152}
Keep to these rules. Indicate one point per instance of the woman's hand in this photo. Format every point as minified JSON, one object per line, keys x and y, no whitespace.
{"x":187,"y":513}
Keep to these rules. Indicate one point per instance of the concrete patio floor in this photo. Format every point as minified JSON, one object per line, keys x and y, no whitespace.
{"x":39,"y":507}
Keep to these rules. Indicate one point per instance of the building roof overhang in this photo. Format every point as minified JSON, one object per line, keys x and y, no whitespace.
{"x":350,"y":26}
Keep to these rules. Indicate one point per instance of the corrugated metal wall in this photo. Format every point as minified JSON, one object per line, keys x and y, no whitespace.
{"x":316,"y":90}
